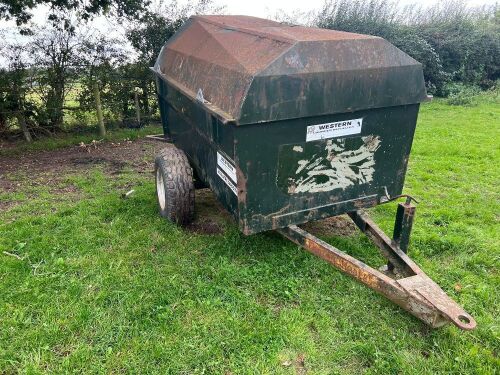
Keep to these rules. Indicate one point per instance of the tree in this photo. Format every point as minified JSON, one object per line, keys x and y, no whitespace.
{"x":154,"y":28}
{"x":54,"y":51}
{"x":13,"y":103}
{"x":468,"y":41}
{"x":150,"y":33}
{"x":102,"y":60}
{"x":452,"y":41}
{"x":20,"y":10}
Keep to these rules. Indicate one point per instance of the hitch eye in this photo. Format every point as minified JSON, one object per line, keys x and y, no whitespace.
{"x":464,"y":319}
{"x":465,"y":322}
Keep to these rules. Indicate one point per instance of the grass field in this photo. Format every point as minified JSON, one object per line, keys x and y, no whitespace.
{"x":102,"y":284}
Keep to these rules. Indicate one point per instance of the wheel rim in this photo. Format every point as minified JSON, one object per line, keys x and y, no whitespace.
{"x":160,"y":189}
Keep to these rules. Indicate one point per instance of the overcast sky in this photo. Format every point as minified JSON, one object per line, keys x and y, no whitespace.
{"x":263,"y":8}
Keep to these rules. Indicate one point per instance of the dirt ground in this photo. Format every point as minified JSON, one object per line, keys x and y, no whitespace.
{"x":51,"y":167}
{"x":22,"y":173}
{"x":115,"y":155}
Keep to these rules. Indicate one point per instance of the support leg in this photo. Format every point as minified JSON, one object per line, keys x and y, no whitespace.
{"x":402,"y":227}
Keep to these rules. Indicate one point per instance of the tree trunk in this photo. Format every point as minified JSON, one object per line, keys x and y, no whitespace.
{"x":21,"y":120}
{"x":137,"y":106}
{"x":100,"y":117}
{"x":55,"y":100}
{"x":55,"y":104}
{"x":145,"y":95}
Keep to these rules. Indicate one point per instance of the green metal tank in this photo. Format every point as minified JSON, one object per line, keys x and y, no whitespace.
{"x":288,"y":124}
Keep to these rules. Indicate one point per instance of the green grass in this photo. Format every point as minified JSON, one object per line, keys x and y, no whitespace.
{"x":106,"y":286}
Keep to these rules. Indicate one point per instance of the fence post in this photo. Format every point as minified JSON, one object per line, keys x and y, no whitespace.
{"x":21,"y":120}
{"x":137,"y":106}
{"x":100,"y":118}
{"x":145,"y":95}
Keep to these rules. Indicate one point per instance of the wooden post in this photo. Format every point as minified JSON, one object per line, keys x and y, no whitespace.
{"x":100,"y":118}
{"x":21,"y":120}
{"x":145,"y":95}
{"x":137,"y":106}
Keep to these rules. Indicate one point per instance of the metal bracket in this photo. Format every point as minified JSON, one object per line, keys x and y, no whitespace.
{"x":402,"y":227}
{"x":415,"y":292}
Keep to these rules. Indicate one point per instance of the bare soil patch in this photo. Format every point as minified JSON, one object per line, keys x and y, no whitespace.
{"x":203,"y":226}
{"x":52,"y":166}
{"x":117,"y":155}
{"x":211,"y":217}
{"x":7,"y":205}
{"x":332,"y":226}
{"x":25,"y":173}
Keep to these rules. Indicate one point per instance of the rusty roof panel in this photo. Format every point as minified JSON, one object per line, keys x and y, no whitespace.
{"x":278,"y":30}
{"x":258,"y":70}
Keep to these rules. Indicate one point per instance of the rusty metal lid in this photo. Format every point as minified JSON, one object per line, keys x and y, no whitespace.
{"x":256,"y":70}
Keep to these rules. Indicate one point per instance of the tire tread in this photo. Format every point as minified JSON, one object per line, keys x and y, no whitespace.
{"x":178,"y":182}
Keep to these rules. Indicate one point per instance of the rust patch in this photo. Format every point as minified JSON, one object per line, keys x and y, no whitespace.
{"x":366,"y":203}
{"x":218,"y":59}
{"x":278,"y":30}
{"x":242,"y":186}
{"x":416,"y":293}
{"x":358,"y":271}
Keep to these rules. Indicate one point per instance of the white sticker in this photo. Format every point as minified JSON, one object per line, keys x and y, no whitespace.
{"x":228,"y":182}
{"x":226,"y":167}
{"x":333,"y":129}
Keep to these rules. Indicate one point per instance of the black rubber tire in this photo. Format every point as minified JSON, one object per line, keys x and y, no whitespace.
{"x":173,"y":172}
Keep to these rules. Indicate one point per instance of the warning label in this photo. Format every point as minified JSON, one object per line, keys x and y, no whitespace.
{"x":333,"y":129}
{"x":228,"y":182}
{"x":226,"y":166}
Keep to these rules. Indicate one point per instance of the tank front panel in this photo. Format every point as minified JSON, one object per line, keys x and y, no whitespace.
{"x":306,"y":169}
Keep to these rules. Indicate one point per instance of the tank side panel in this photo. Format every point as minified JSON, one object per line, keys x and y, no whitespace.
{"x":162,"y":105}
{"x":202,"y":137}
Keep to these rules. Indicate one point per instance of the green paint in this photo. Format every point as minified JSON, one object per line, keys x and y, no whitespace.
{"x":261,"y":104}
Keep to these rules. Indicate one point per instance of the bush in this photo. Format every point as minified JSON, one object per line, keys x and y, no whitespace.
{"x":453,"y":42}
{"x":460,"y":94}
